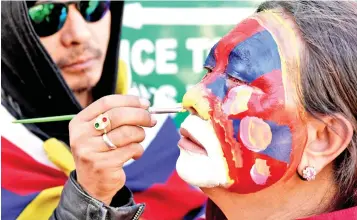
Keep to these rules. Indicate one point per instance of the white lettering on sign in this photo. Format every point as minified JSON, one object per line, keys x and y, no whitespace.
{"x":200,"y":48}
{"x":164,"y":53}
{"x":141,"y":67}
{"x":145,"y":57}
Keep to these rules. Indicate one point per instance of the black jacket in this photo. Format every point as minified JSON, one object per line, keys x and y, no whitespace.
{"x":76,"y":204}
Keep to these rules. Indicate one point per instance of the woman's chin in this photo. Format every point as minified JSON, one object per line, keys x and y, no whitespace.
{"x":198,"y":169}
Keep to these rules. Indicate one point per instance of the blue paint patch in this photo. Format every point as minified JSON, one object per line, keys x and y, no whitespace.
{"x":158,"y":162}
{"x":219,"y":87}
{"x":236,"y":124}
{"x":281,"y":144}
{"x":210,"y":61}
{"x":254,"y":57}
{"x":13,"y":204}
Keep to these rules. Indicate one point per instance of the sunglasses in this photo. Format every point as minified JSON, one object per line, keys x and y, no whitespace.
{"x":48,"y":18}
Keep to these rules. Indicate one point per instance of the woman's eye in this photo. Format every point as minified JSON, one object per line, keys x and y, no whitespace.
{"x":236,"y":80}
{"x":233,"y":81}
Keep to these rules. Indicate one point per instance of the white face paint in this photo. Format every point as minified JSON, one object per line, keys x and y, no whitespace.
{"x":202,"y":170}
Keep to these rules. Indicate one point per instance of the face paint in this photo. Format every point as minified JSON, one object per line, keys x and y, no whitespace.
{"x":246,"y":98}
{"x":237,"y":100}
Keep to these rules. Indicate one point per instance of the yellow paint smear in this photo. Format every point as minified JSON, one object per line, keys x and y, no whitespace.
{"x":195,"y":98}
{"x":259,"y":134}
{"x":293,"y":45}
{"x":240,"y":104}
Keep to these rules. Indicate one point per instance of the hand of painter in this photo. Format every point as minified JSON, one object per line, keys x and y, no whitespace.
{"x":100,"y":168}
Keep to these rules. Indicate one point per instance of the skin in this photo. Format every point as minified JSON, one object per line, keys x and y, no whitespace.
{"x":225,"y":99}
{"x":99,"y":169}
{"x":82,"y":43}
{"x":248,"y":103}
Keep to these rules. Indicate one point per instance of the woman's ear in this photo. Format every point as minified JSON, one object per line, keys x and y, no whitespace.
{"x":328,"y":137}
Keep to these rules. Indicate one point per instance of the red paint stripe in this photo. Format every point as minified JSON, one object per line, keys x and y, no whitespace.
{"x":234,"y":37}
{"x":23,"y":175}
{"x":172,"y":200}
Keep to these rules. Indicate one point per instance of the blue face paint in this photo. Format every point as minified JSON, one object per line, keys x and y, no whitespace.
{"x":210,"y":61}
{"x":254,"y":57}
{"x":236,"y":124}
{"x":281,"y":143}
{"x":218,"y":87}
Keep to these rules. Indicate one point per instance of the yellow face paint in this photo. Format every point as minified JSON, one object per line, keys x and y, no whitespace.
{"x":255,"y":133}
{"x":237,"y":100}
{"x":262,"y":167}
{"x":260,"y":122}
{"x":288,"y":47}
{"x":193,"y":98}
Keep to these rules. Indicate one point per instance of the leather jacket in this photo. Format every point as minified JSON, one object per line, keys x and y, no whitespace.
{"x":76,"y":204}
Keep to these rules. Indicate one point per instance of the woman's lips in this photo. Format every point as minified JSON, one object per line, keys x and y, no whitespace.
{"x":189,"y":143}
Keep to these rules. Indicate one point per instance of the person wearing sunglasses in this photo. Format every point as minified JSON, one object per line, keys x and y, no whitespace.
{"x":60,"y":58}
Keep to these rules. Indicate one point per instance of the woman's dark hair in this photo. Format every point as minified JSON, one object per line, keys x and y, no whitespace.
{"x":329,"y":75}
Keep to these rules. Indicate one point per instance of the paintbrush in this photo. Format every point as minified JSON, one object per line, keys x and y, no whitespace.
{"x":152,"y":110}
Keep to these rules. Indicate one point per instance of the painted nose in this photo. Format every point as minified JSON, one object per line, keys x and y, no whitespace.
{"x":195,"y":100}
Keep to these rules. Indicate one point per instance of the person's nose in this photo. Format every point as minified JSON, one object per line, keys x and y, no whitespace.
{"x":196,"y":101}
{"x":75,"y":30}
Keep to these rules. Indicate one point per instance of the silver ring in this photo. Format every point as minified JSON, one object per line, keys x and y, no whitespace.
{"x":108,"y":142}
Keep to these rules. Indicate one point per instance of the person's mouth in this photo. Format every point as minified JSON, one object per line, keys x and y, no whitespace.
{"x":79,"y":65}
{"x":189,"y":143}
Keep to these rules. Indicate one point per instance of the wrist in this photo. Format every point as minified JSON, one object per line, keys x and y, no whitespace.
{"x":102,"y":197}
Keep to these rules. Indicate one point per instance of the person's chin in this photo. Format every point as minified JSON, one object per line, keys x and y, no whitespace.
{"x":84,"y":98}
{"x":198,"y":169}
{"x":201,"y":162}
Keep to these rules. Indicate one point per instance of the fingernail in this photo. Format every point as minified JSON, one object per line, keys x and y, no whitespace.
{"x":144,"y":103}
{"x":153,"y":120}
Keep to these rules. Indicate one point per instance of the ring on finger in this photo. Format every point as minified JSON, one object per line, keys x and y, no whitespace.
{"x":101,"y":123}
{"x":108,"y":142}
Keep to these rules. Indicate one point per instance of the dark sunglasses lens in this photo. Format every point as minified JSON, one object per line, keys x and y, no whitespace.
{"x":48,"y":18}
{"x":93,"y":10}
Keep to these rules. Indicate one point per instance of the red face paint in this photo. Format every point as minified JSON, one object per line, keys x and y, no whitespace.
{"x":246,"y":95}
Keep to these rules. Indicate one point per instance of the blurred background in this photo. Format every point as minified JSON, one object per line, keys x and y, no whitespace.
{"x":164,"y":44}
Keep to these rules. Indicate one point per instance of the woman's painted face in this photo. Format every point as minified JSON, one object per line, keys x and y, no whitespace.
{"x":245,"y":132}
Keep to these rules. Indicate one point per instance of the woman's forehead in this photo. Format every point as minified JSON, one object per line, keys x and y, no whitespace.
{"x":269,"y":40}
{"x":268,"y":30}
{"x":249,"y":51}
{"x":283,"y":29}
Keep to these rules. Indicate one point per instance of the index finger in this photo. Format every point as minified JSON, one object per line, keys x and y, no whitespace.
{"x":111,"y":101}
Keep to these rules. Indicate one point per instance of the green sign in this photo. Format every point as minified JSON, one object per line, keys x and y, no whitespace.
{"x":164,"y":44}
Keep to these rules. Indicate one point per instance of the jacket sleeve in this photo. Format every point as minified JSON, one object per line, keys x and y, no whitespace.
{"x":76,"y":204}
